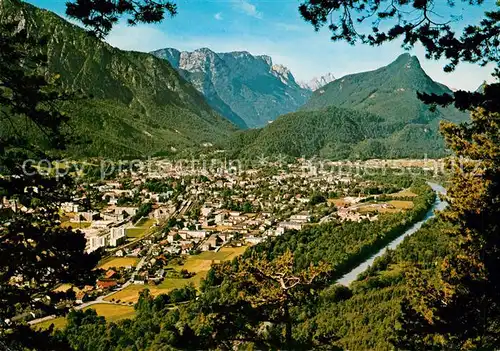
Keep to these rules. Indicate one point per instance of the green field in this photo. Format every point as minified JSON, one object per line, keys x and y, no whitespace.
{"x":138,"y":231}
{"x":396,"y":206}
{"x":203,"y":261}
{"x":131,"y":293}
{"x":198,"y":264}
{"x":143,"y":222}
{"x":224,"y":254}
{"x":75,"y":225}
{"x":112,"y":313}
{"x":405,"y":205}
{"x":59,"y":323}
{"x":403,"y":193}
{"x":118,"y":262}
{"x":176,"y":283}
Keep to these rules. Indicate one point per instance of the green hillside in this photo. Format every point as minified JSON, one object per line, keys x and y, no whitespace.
{"x":339,"y":133}
{"x":389,"y":91}
{"x":373,"y":114}
{"x":140,"y":104}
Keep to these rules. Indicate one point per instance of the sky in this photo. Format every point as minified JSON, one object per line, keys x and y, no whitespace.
{"x":275,"y":28}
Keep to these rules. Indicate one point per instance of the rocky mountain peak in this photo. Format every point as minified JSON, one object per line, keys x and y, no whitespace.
{"x":406,"y":61}
{"x":318,"y":82}
{"x":205,"y":51}
{"x":283,"y":73}
{"x":240,"y":54}
{"x":249,"y":90}
{"x":266,"y":59}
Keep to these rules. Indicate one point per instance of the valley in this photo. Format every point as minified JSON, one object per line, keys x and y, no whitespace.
{"x":198,"y":218}
{"x":168,"y":183}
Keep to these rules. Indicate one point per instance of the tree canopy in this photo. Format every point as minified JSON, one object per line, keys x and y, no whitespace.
{"x":458,"y":307}
{"x":36,"y":252}
{"x":99,"y":16}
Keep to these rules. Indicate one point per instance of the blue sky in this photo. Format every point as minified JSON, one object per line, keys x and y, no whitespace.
{"x":275,"y":28}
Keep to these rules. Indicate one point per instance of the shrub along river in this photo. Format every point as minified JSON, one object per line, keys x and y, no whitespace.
{"x":438,"y":205}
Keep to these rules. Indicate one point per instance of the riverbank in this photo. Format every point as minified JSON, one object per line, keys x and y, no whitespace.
{"x":438,"y":205}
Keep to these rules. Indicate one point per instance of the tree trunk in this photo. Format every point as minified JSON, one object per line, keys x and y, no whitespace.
{"x":288,"y":326}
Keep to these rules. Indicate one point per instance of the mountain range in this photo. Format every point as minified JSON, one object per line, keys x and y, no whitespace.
{"x":249,"y":90}
{"x":374,"y":114}
{"x":173,"y":102}
{"x":140,"y":105}
{"x":389,"y":91}
{"x":318,"y":82}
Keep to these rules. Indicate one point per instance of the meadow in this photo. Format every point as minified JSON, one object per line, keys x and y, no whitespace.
{"x":140,"y":229}
{"x":75,"y":225}
{"x":198,"y":264}
{"x":111,"y":312}
{"x":119,"y":262}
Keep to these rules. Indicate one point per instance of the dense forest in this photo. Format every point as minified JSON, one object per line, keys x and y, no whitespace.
{"x":134,"y":104}
{"x":339,"y":133}
{"x":365,"y":316}
{"x":374,"y":114}
{"x":344,"y":245}
{"x":389,"y":91}
{"x":438,"y":290}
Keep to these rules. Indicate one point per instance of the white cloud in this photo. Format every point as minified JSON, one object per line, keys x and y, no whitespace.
{"x":248,"y":8}
{"x":218,"y":16}
{"x":288,"y":27}
{"x":139,"y":38}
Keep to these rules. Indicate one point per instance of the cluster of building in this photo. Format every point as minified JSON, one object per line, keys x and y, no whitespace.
{"x":210,"y":208}
{"x":196,"y":210}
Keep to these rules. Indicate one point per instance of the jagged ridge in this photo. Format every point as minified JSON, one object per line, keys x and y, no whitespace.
{"x":318,"y":82}
{"x":249,"y":90}
{"x":389,"y":91}
{"x":367,"y":115}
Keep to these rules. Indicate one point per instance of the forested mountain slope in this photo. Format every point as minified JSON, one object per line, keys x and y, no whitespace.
{"x":373,"y":114}
{"x":140,"y":105}
{"x":389,"y":91}
{"x":339,"y":133}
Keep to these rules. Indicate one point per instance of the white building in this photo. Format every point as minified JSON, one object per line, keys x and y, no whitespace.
{"x":117,"y":236}
{"x":206,"y":211}
{"x":68,"y":207}
{"x":300,"y":218}
{"x":84,"y":216}
{"x":253,"y":240}
{"x":219,"y":218}
{"x":188,"y":234}
{"x":102,"y":224}
{"x":128,"y":209}
{"x":162,"y":212}
{"x":95,"y":239}
{"x":283,"y":226}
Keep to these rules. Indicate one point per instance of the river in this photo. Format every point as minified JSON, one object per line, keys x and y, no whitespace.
{"x":351,"y":276}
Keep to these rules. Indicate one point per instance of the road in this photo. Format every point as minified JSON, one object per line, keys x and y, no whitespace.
{"x":98,"y":300}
